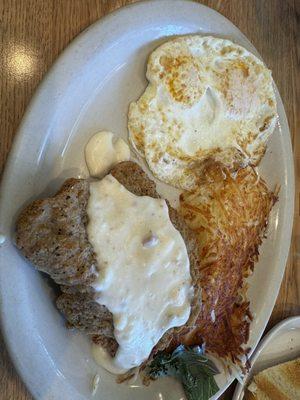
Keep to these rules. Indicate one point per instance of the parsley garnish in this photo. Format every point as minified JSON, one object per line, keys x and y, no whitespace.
{"x":189,"y":365}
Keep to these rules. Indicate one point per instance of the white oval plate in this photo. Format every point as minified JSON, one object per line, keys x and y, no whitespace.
{"x":281,"y":344}
{"x":89,"y":88}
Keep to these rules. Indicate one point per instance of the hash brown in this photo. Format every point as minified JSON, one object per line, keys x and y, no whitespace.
{"x":229,"y":214}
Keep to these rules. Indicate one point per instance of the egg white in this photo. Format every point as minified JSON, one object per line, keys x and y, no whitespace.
{"x":207,"y":98}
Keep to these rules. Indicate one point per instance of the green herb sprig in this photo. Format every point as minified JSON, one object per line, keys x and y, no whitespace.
{"x":190,"y":366}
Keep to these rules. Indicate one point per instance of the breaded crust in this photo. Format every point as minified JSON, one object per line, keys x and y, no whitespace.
{"x":52,"y":234}
{"x":84,"y":313}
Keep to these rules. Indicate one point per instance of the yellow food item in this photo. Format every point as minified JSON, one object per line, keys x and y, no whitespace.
{"x":281,"y":382}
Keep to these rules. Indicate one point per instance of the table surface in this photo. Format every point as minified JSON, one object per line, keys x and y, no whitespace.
{"x":38,"y":30}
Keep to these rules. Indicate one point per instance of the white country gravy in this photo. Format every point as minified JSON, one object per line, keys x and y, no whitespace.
{"x":144,"y":277}
{"x":103,"y":151}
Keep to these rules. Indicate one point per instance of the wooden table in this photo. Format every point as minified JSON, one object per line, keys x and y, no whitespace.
{"x":38,"y":30}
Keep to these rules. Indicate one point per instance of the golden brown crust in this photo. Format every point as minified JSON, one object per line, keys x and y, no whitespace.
{"x":229,"y":214}
{"x":280,"y":382}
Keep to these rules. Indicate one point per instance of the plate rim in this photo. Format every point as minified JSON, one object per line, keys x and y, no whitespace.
{"x":68,"y":50}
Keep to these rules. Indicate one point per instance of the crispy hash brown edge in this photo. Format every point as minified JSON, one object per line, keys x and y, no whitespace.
{"x":229,"y":213}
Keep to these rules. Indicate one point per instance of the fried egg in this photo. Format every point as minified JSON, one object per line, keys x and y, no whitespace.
{"x":207,"y":98}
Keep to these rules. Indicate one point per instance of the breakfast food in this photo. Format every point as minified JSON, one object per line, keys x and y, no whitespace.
{"x":207,"y":98}
{"x":281,"y":382}
{"x":53,"y":235}
{"x":144,"y":277}
{"x":229,"y":214}
{"x":151,"y":285}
